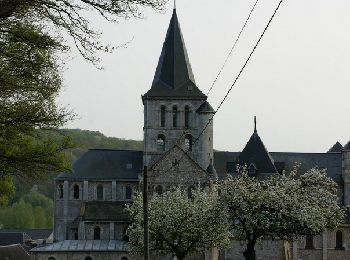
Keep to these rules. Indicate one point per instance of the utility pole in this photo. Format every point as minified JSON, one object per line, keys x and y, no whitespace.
{"x":145,"y":214}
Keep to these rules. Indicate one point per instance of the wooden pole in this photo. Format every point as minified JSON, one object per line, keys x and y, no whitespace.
{"x":145,"y":214}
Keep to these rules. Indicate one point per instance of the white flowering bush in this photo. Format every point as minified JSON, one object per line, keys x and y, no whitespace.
{"x":280,"y":207}
{"x":179,"y":225}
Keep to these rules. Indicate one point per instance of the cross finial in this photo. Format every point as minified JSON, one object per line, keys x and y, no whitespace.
{"x":255,"y":131}
{"x":174,"y":4}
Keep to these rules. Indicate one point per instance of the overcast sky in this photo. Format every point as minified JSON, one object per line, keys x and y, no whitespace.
{"x":297,"y":83}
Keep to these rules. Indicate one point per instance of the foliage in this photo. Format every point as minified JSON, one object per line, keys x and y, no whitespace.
{"x":29,"y":81}
{"x":282,"y":207}
{"x":34,"y":210}
{"x":71,"y":17}
{"x":179,"y":225}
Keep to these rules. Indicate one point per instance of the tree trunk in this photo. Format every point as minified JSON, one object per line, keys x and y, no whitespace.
{"x":249,"y":253}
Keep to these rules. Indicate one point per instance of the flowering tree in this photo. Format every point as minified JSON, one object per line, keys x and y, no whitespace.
{"x":282,"y":207}
{"x":179,"y":225}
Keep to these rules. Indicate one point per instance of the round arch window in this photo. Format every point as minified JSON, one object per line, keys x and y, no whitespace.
{"x":88,"y":258}
{"x":124,"y":258}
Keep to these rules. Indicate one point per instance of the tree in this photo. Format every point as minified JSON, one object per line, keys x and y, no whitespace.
{"x":179,"y":225}
{"x":282,"y":207}
{"x":71,"y":17}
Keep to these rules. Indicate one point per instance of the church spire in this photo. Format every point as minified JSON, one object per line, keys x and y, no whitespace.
{"x":174,"y":77}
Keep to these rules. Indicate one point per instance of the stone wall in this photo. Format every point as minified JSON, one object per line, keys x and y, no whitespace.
{"x":83,"y":255}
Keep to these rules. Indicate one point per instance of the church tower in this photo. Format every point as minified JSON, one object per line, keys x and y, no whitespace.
{"x":175,"y":110}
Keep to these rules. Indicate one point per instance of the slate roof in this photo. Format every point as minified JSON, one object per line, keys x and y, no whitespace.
{"x":13,"y":252}
{"x":336,"y":148}
{"x":347,"y":146}
{"x":174,"y":77}
{"x":286,"y":160}
{"x":32,"y":233}
{"x":83,"y":246}
{"x":10,"y":238}
{"x":255,"y":153}
{"x":105,"y":210}
{"x":205,"y":107}
{"x":106,"y":164}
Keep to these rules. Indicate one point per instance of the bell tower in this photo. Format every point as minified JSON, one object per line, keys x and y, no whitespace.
{"x":175,"y":110}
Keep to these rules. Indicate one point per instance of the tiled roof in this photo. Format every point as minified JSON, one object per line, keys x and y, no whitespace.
{"x":83,"y":246}
{"x":32,"y":233}
{"x":106,"y":164}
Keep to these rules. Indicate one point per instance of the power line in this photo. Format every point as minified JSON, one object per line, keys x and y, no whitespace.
{"x":233,"y":47}
{"x":236,"y":79}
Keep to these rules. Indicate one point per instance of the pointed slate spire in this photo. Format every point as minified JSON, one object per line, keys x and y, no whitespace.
{"x":336,"y":148}
{"x":255,"y":153}
{"x":174,"y":77}
{"x":347,"y":146}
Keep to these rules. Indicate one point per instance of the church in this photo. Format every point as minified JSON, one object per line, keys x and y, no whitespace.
{"x":89,"y":218}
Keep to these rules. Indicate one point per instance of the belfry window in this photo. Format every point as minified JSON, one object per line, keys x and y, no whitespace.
{"x":187,"y":116}
{"x":162,"y":116}
{"x":188,"y":143}
{"x":99,"y":192}
{"x":174,"y":116}
{"x":76,"y":191}
{"x":97,"y":233}
{"x":60,"y":191}
{"x":161,"y":143}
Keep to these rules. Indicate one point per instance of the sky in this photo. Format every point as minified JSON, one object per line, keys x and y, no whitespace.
{"x":297,"y":83}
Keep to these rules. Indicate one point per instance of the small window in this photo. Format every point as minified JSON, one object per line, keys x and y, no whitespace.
{"x":88,"y":258}
{"x":187,"y":116}
{"x":162,"y":116}
{"x":309,"y":242}
{"x":128,"y":192}
{"x":76,"y":191}
{"x":129,"y":166}
{"x":97,"y":233}
{"x":125,"y":234}
{"x":159,"y":190}
{"x":174,"y":116}
{"x":99,"y":192}
{"x":124,"y":258}
{"x":51,"y":258}
{"x":60,"y":191}
{"x":251,"y":170}
{"x":339,"y":240}
{"x":161,"y":143}
{"x":74,"y":233}
{"x":188,"y":143}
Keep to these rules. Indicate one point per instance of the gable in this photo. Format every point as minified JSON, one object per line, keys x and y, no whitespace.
{"x":176,"y":167}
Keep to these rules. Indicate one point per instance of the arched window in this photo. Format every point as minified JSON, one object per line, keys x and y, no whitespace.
{"x":251,"y":170}
{"x":60,"y":191}
{"x":76,"y":191}
{"x":97,"y":233}
{"x":161,"y":143}
{"x":159,"y":190}
{"x":309,"y":242}
{"x":99,"y":192}
{"x":174,"y":116}
{"x":88,"y":258}
{"x":51,"y":258}
{"x":187,"y":116}
{"x":339,"y":240}
{"x":124,"y":258}
{"x":188,"y":143}
{"x":128,"y":192}
{"x":162,"y":116}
